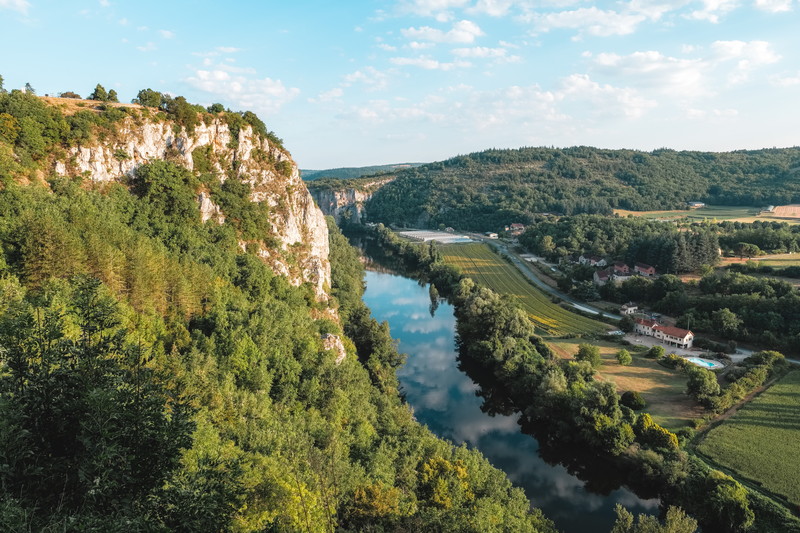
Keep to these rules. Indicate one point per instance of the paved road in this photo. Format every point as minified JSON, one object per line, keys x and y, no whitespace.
{"x":526,"y":271}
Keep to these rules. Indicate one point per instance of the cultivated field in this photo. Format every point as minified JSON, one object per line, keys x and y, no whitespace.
{"x":488,"y":269}
{"x":760,"y":441}
{"x":790,"y":214}
{"x":662,"y":388}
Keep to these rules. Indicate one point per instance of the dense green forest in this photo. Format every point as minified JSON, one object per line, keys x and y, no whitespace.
{"x":156,"y":376}
{"x":487,"y":190}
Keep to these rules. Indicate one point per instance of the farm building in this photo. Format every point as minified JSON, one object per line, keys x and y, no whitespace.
{"x":682,"y":338}
{"x":643,"y":269}
{"x":696,"y":205}
{"x":628,"y":308}
{"x":592,"y":260}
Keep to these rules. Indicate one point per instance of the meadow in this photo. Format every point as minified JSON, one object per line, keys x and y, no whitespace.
{"x":662,"y":388}
{"x":488,"y":269}
{"x":759,"y":442}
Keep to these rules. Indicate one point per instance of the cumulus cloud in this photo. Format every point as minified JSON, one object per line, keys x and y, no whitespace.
{"x":654,"y":70}
{"x":370,"y":77}
{"x":774,"y":6}
{"x":245,"y":91}
{"x":748,"y":56}
{"x":713,"y":9}
{"x":606,"y":99}
{"x":166,"y":34}
{"x":333,"y":95}
{"x":21,"y":6}
{"x":428,"y":63}
{"x":440,"y":9}
{"x":464,"y":31}
{"x":591,"y":20}
{"x":493,"y":8}
{"x":786,"y":81}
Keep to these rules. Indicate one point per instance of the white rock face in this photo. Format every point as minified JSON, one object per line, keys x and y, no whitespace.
{"x":297,"y":223}
{"x":335,"y":344}
{"x":347,"y":202}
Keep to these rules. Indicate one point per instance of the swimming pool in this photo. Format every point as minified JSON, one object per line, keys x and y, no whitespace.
{"x":705,"y":363}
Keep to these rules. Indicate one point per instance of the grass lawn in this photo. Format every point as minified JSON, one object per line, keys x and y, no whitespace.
{"x":760,"y":442}
{"x":487,"y":268}
{"x":662,"y":388}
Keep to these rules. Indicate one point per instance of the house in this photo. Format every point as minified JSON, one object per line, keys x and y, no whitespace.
{"x":601,"y":277}
{"x":643,"y":269}
{"x":491,"y":235}
{"x":517,"y":229}
{"x":696,"y":205}
{"x":448,"y":229}
{"x":628,"y":308}
{"x":681,"y":338}
{"x":621,"y":269}
{"x":592,"y":260}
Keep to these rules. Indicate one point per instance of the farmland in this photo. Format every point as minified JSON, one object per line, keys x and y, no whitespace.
{"x":662,"y":388}
{"x":488,"y":269}
{"x":760,"y":441}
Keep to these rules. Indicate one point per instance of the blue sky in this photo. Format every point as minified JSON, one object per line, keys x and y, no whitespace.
{"x":359,"y":83}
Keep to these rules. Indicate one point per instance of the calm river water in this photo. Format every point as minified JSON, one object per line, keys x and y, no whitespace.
{"x":444,"y":398}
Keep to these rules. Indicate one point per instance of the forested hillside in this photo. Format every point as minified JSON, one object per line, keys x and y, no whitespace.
{"x":156,"y":374}
{"x":486,"y":190}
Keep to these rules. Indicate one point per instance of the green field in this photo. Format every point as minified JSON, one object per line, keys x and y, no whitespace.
{"x":488,"y":269}
{"x":760,"y":442}
{"x":710,"y":212}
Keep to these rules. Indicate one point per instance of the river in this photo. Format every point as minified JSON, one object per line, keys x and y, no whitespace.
{"x":444,"y":398}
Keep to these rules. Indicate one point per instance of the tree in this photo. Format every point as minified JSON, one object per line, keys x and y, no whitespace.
{"x":2,"y":89}
{"x":216,"y":108}
{"x":702,"y":383}
{"x":624,"y":357}
{"x":633,"y":400}
{"x":112,"y":96}
{"x":656,"y":351}
{"x":99,"y":93}
{"x":69,"y":94}
{"x":726,"y":322}
{"x":626,"y":323}
{"x":590,"y":353}
{"x":676,"y":521}
{"x":29,"y":89}
{"x":746,"y":249}
{"x":149,"y":98}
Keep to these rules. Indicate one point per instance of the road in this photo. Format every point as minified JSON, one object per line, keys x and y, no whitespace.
{"x":526,"y":271}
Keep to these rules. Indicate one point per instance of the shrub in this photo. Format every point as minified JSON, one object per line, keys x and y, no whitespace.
{"x":624,"y":357}
{"x":633,"y":400}
{"x":655,"y":352}
{"x":589,"y":353}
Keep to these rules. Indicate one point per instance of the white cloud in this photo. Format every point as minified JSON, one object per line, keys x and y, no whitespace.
{"x":333,"y":95}
{"x":166,"y":34}
{"x":654,"y":71}
{"x":493,"y":8}
{"x":236,"y":85}
{"x":416,"y":45}
{"x":440,"y":9}
{"x":713,"y":10}
{"x":428,"y":63}
{"x":606,"y":99}
{"x":123,"y":22}
{"x":387,"y":47}
{"x":704,"y":114}
{"x":748,"y":55}
{"x":149,"y":47}
{"x":16,"y":5}
{"x":591,"y":20}
{"x":370,"y":77}
{"x":464,"y":31}
{"x":480,"y":51}
{"x":774,"y":6}
{"x":786,"y":81}
{"x":105,"y":3}
{"x":228,"y":49}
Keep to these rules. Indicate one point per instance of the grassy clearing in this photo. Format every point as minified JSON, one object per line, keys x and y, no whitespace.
{"x":712,"y":212}
{"x":775,"y":260}
{"x":662,"y":388}
{"x":760,"y":441}
{"x":488,"y":269}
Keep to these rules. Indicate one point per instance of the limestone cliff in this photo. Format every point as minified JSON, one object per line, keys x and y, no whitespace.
{"x":297,"y":224}
{"x":347,"y":203}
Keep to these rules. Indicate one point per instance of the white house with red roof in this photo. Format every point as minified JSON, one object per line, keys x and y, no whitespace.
{"x":643,"y":269}
{"x":592,"y":260}
{"x":682,"y":338}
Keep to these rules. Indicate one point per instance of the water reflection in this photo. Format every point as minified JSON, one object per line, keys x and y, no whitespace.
{"x":450,"y":404}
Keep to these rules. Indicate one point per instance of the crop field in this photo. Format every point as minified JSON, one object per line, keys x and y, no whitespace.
{"x":760,"y":441}
{"x":719,"y":212}
{"x":488,"y":269}
{"x":662,"y":388}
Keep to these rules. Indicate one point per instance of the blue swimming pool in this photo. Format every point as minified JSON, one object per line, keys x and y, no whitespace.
{"x":705,"y":363}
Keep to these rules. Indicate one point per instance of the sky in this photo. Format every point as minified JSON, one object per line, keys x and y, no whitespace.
{"x":356,"y":83}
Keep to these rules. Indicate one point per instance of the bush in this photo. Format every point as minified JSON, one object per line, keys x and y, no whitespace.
{"x":589,"y":353}
{"x":624,"y":357}
{"x":655,"y":352}
{"x":633,"y":400}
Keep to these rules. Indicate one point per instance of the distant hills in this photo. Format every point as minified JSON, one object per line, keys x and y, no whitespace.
{"x":496,"y":187}
{"x":354,"y":172}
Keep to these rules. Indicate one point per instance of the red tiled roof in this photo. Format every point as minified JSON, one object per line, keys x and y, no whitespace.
{"x":603,"y":274}
{"x":673,"y":332}
{"x":645,"y":322}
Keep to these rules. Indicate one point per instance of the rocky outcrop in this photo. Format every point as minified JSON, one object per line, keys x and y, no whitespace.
{"x":297,"y":224}
{"x":347,"y":203}
{"x":334,"y":343}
